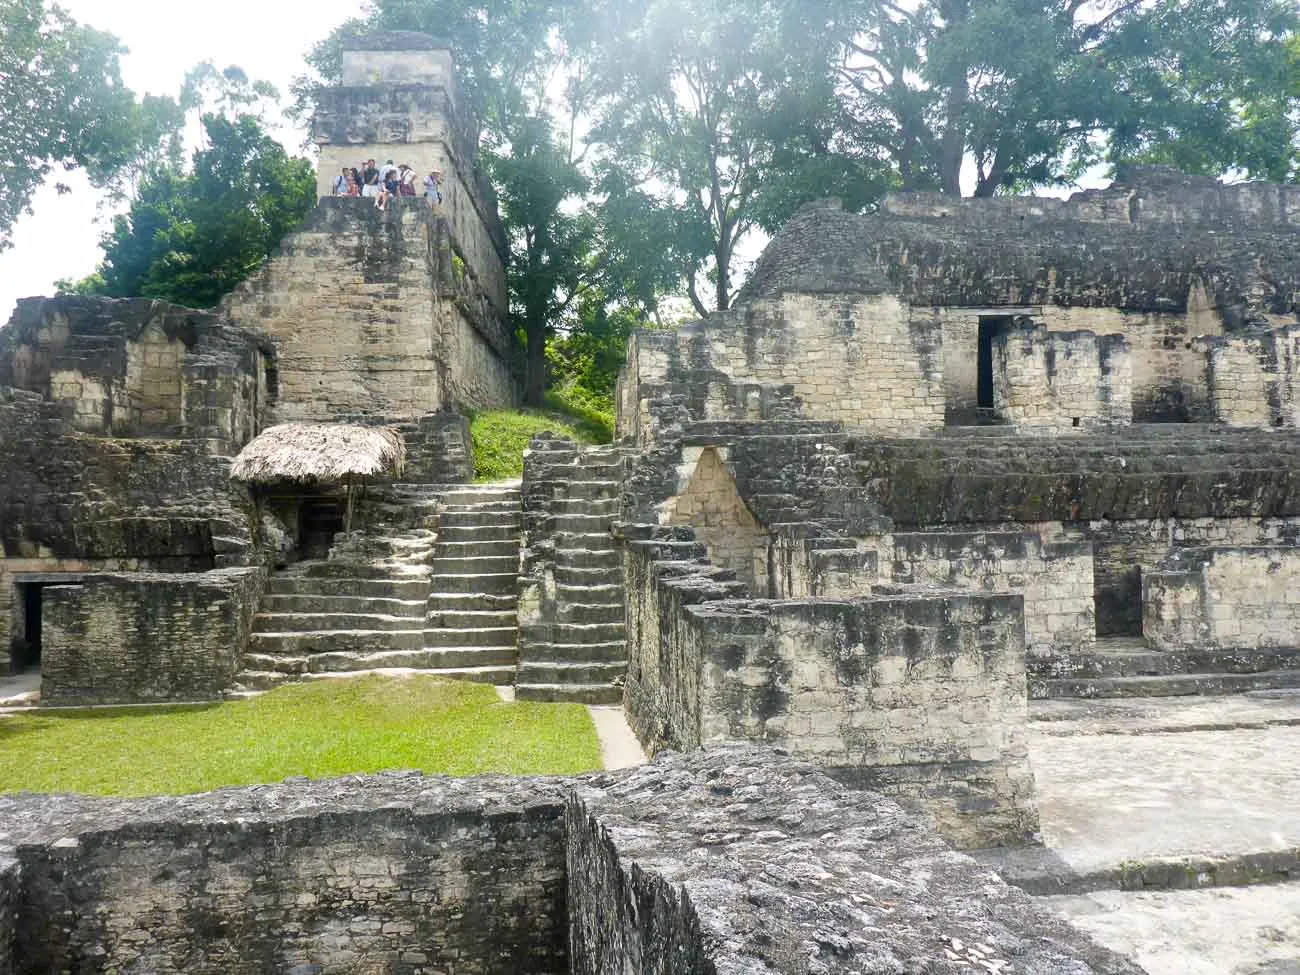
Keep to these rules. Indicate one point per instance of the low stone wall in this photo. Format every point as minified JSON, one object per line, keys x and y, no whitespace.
{"x":1053,"y":382}
{"x":394,"y":874}
{"x":1055,"y":578}
{"x":141,"y":637}
{"x":929,"y":686}
{"x":1223,"y":599}
{"x":729,"y":860}
{"x":10,"y":903}
{"x":438,"y":449}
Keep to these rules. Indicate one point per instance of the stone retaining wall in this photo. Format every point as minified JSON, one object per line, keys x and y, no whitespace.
{"x":139,"y":637}
{"x":929,"y":685}
{"x":730,"y":860}
{"x":1057,"y":382}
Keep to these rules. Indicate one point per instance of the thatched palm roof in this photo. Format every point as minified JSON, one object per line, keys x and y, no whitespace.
{"x":319,"y":453}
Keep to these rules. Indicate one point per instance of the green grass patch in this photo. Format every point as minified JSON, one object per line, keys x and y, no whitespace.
{"x":500,"y":436}
{"x":320,"y":729}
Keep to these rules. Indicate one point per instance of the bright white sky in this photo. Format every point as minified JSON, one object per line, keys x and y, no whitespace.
{"x":166,"y":39}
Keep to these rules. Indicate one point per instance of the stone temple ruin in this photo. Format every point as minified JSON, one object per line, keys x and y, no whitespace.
{"x":937,"y":461}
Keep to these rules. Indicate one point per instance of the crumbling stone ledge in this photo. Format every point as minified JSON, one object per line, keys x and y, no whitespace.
{"x":736,"y":859}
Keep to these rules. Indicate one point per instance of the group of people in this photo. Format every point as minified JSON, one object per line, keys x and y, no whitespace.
{"x":382,"y":183}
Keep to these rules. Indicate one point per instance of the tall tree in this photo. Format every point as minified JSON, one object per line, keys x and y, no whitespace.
{"x":190,"y":237}
{"x":708,"y":112}
{"x":64,"y":104}
{"x":1018,"y":93}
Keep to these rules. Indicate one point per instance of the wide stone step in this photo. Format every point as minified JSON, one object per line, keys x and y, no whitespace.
{"x":584,"y":541}
{"x":582,"y":524}
{"x":537,"y":672}
{"x":501,"y":676}
{"x":484,"y":636}
{"x":417,"y":588}
{"x":472,"y":619}
{"x":277,"y":663}
{"x":493,"y":583}
{"x":590,"y":613}
{"x":472,"y":602}
{"x":495,"y":548}
{"x":1172,"y":685}
{"x":575,"y":558}
{"x":476,"y":565}
{"x":1146,"y":662}
{"x":259,"y":680}
{"x":585,"y":577}
{"x":435,"y":659}
{"x":313,"y":603}
{"x":478,"y":533}
{"x":587,"y":632}
{"x":600,"y":507}
{"x":357,"y":641}
{"x":510,"y":505}
{"x":570,"y":693}
{"x":480,"y":519}
{"x":347,"y":569}
{"x":613,"y":651}
{"x":320,"y":622}
{"x":597,"y":592}
{"x":602,"y":489}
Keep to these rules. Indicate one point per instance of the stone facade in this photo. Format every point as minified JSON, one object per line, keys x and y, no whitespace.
{"x":715,"y":861}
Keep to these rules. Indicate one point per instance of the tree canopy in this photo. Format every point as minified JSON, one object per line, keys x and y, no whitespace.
{"x":64,"y":104}
{"x":191,"y":236}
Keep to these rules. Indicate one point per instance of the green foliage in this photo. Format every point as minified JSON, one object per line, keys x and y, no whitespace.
{"x":192,"y":237}
{"x":64,"y":104}
{"x":1034,"y":91}
{"x":500,"y":436}
{"x":322,"y":729}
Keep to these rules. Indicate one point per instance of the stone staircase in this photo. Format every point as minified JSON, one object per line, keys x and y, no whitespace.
{"x":397,"y":594}
{"x":574,"y":649}
{"x":361,"y":609}
{"x":471,"y":629}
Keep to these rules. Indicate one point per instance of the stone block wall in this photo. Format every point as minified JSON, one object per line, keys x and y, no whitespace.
{"x":10,"y":902}
{"x":1055,"y":382}
{"x":1223,"y":599}
{"x":138,"y":367}
{"x":866,"y":362}
{"x":918,"y":692}
{"x":141,"y":637}
{"x":372,"y":314}
{"x":728,"y":860}
{"x":405,"y":875}
{"x":1255,"y":378}
{"x":438,"y":449}
{"x":1055,"y":577}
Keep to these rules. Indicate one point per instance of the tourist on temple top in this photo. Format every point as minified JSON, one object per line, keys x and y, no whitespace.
{"x":432,"y":187}
{"x":390,"y":180}
{"x":341,"y":182}
{"x":406,"y":181}
{"x":367,"y":172}
{"x":371,"y":189}
{"x":354,"y":182}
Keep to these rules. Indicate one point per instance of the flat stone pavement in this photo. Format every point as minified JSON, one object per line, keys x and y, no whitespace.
{"x":1218,"y":931}
{"x":1153,"y":779}
{"x":1116,"y":783}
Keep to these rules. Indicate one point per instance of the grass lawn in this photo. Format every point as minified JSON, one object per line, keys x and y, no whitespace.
{"x":320,"y":729}
{"x":500,"y":436}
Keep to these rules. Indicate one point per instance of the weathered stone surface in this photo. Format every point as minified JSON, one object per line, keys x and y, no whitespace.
{"x":139,"y":637}
{"x":733,"y":860}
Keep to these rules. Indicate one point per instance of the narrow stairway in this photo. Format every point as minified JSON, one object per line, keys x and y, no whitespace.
{"x":472,"y":625}
{"x":582,"y":655}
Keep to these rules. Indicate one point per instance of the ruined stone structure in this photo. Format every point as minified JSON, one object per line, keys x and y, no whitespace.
{"x":703,"y":863}
{"x":937,"y":461}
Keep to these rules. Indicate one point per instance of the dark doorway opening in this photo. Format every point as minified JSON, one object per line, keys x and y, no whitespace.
{"x":990,"y":327}
{"x":319,"y":520}
{"x":27,"y":650}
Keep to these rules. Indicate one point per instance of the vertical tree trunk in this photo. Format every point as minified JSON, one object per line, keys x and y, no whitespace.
{"x":535,"y":375}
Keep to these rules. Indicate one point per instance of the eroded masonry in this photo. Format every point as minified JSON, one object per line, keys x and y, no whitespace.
{"x":937,"y":461}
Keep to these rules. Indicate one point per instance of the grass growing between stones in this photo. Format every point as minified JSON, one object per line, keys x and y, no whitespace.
{"x":320,"y":729}
{"x":500,"y":436}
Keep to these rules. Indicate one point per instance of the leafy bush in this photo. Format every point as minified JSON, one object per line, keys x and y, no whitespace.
{"x":500,"y":436}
